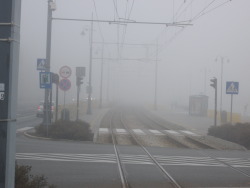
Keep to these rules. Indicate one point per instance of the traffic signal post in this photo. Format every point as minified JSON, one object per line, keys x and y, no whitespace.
{"x":80,"y":73}
{"x":79,"y":82}
{"x":214,"y":85}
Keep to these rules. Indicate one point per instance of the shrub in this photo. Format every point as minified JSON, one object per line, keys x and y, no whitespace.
{"x":23,"y":178}
{"x":73,"y":130}
{"x":239,"y":133}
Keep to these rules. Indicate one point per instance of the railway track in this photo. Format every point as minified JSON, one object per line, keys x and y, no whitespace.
{"x":160,"y":133}
{"x":118,"y":119}
{"x":121,"y":168}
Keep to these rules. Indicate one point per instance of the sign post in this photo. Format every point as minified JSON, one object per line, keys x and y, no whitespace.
{"x":232,"y":88}
{"x":9,"y":64}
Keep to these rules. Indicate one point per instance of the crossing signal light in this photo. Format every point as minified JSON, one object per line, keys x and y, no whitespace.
{"x":214,"y":83}
{"x":79,"y":81}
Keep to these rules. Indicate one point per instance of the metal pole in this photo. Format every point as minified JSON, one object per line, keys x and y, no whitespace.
{"x":156,"y":76}
{"x":89,"y":110}
{"x":63,"y":118}
{"x":231,"y":112}
{"x":222,"y":61}
{"x":10,"y":12}
{"x":101,"y":81}
{"x":56,"y":102}
{"x":215,"y":107}
{"x":46,"y":117}
{"x":77,"y":101}
{"x":108,"y":77}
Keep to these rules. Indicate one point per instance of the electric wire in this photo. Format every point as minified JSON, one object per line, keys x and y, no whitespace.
{"x":208,"y":11}
{"x":203,"y":10}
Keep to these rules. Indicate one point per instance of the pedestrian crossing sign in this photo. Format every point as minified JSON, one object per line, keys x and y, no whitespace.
{"x":232,"y":88}
{"x":41,"y":64}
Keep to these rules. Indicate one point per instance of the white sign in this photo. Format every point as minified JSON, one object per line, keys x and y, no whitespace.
{"x":2,"y":87}
{"x":1,"y":96}
{"x":65,"y":72}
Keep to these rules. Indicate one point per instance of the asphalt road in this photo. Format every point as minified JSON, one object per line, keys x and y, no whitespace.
{"x":84,"y":164}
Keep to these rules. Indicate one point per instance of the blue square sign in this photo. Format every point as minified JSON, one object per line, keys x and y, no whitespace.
{"x":45,"y":80}
{"x":41,"y":64}
{"x":232,"y":88}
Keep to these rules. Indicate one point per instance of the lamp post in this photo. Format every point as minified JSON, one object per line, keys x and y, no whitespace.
{"x":221,"y":80}
{"x":101,"y":81}
{"x":89,"y":109}
{"x":156,"y":77}
{"x":48,"y":92}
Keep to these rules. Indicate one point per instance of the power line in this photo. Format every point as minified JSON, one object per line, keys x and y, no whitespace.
{"x":176,"y":24}
{"x":98,"y":18}
{"x":214,"y":8}
{"x":116,"y":10}
{"x":198,"y":15}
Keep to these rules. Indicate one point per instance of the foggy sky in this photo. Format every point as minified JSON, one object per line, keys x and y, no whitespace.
{"x":186,"y":55}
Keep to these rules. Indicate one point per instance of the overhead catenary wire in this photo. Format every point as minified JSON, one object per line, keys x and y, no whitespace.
{"x":116,"y":9}
{"x":214,"y":8}
{"x":203,"y":10}
{"x":125,"y":27}
{"x":191,"y":21}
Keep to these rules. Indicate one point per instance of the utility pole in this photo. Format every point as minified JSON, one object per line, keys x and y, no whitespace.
{"x":156,"y":77}
{"x":10,"y":12}
{"x":101,"y":81}
{"x":89,"y":109}
{"x":214,"y":85}
{"x":47,"y":104}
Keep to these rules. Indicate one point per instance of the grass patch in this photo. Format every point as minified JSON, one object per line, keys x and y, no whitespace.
{"x":72,"y":130}
{"x":24,"y":179}
{"x":238,"y":133}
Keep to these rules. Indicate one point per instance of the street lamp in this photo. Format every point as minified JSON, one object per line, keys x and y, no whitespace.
{"x":89,"y":89}
{"x":222,"y":61}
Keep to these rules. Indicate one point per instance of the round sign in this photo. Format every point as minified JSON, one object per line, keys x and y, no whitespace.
{"x":64,"y":84}
{"x":65,"y":72}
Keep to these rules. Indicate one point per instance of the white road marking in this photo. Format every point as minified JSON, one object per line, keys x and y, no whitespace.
{"x":173,"y":132}
{"x":189,"y":132}
{"x":139,"y":131}
{"x":156,"y":132}
{"x":121,"y":131}
{"x":103,"y":130}
{"x":24,"y":129}
{"x":135,"y":159}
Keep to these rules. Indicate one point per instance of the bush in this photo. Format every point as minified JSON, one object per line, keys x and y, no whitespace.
{"x":72,"y":130}
{"x":23,"y":178}
{"x":239,"y":133}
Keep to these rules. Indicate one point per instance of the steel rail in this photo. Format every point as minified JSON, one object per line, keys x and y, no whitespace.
{"x":192,"y":140}
{"x":175,"y":184}
{"x":206,"y":154}
{"x":118,"y":159}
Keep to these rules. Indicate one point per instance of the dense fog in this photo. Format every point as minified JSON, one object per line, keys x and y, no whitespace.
{"x":188,"y":56}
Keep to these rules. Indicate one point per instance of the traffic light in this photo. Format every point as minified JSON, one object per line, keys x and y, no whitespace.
{"x":55,"y":78}
{"x":79,"y":81}
{"x":214,"y":83}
